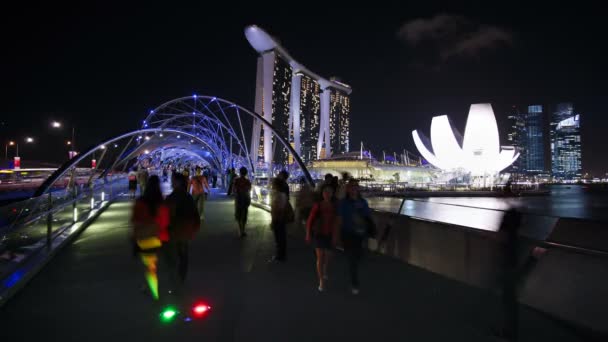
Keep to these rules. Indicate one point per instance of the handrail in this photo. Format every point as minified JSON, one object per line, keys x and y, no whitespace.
{"x":540,"y":243}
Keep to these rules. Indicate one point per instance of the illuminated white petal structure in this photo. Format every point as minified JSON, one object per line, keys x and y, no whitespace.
{"x":480,"y":153}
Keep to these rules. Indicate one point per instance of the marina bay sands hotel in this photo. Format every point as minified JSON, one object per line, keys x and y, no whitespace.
{"x":309,"y":109}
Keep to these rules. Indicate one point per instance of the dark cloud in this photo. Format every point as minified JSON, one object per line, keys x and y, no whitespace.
{"x":453,"y":35}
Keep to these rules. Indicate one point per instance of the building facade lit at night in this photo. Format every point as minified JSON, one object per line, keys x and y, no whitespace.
{"x":339,"y":121}
{"x":310,"y":115}
{"x":311,"y":111}
{"x":535,"y":144}
{"x":517,"y":138}
{"x":565,"y":143}
{"x":281,"y":90}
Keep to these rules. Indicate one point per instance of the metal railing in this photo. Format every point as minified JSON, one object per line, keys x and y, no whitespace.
{"x":41,"y":223}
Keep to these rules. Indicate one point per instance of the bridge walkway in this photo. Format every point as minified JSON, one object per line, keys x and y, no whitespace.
{"x":90,"y":292}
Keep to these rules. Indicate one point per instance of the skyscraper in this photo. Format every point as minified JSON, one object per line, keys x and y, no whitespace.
{"x":535,"y":153}
{"x":302,"y":106}
{"x":310,"y":109}
{"x":339,"y":121}
{"x":565,"y":143}
{"x":517,"y":138}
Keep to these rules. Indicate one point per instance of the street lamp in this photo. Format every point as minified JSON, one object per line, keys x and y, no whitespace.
{"x":28,"y":140}
{"x":57,"y":124}
{"x":10,"y":143}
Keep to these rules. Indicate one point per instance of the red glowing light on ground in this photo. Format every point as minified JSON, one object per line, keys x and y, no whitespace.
{"x":201,"y":309}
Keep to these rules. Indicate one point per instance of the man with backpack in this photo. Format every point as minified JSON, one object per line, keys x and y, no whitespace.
{"x":184,"y":222}
{"x":199,"y":187}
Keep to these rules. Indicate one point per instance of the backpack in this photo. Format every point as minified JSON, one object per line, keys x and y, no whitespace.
{"x":363,"y":225}
{"x":242,"y":189}
{"x":185,"y":219}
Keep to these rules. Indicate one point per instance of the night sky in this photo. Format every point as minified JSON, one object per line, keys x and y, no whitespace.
{"x":103,"y":67}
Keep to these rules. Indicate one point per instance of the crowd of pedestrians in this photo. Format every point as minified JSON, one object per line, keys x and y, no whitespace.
{"x":334,"y":214}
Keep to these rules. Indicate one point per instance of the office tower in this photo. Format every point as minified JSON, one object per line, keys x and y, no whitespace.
{"x":535,"y":153}
{"x":565,"y":143}
{"x":339,"y":121}
{"x":310,"y":109}
{"x":517,"y":138}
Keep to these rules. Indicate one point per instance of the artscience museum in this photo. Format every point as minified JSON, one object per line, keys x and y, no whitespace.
{"x":477,"y":154}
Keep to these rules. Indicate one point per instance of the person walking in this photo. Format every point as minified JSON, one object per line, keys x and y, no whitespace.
{"x":132,"y":176}
{"x":165,"y":175}
{"x":355,"y":225}
{"x":242,"y":200}
{"x":184,"y":222}
{"x":279,"y":219}
{"x":304,"y":201}
{"x":283,"y":176}
{"x":320,"y":228}
{"x":508,"y":233}
{"x":199,"y":188}
{"x":231,"y":176}
{"x":214,"y":178}
{"x":341,"y":185}
{"x":150,"y":219}
{"x":142,"y":179}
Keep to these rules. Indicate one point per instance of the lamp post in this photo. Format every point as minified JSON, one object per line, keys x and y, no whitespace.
{"x":72,"y":143}
{"x":10,"y":143}
{"x":28,"y":140}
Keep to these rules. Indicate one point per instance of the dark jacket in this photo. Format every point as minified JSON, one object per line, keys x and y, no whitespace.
{"x":184,"y":219}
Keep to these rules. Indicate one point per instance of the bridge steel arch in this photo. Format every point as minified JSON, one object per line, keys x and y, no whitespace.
{"x":208,"y":120}
{"x":80,"y":157}
{"x":221,"y":117}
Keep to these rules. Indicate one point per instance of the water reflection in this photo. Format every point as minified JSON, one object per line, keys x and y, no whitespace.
{"x":564,"y":201}
{"x":458,"y":215}
{"x":389,"y":204}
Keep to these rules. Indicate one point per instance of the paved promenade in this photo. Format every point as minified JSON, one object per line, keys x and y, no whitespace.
{"x":90,"y":292}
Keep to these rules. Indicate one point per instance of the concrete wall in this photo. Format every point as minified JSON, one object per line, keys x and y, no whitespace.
{"x":566,"y":284}
{"x":469,"y":256}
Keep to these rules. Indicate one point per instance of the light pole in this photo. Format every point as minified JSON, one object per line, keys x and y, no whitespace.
{"x":72,"y":143}
{"x":10,"y":143}
{"x":28,"y":140}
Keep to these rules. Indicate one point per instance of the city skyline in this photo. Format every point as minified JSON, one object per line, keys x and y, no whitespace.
{"x":101,"y":66}
{"x":549,"y":139}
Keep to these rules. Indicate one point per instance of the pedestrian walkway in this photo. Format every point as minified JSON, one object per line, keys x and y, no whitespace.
{"x":90,"y":292}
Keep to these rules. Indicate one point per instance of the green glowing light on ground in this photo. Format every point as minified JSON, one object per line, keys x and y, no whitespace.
{"x":168,"y":314}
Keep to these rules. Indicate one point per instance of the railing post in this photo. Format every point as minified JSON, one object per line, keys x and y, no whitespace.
{"x":92,"y":193}
{"x":49,"y":221}
{"x":74,"y":209}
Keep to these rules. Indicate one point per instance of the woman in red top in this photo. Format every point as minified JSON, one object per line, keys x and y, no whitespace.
{"x":321,"y":226}
{"x":150,"y":220}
